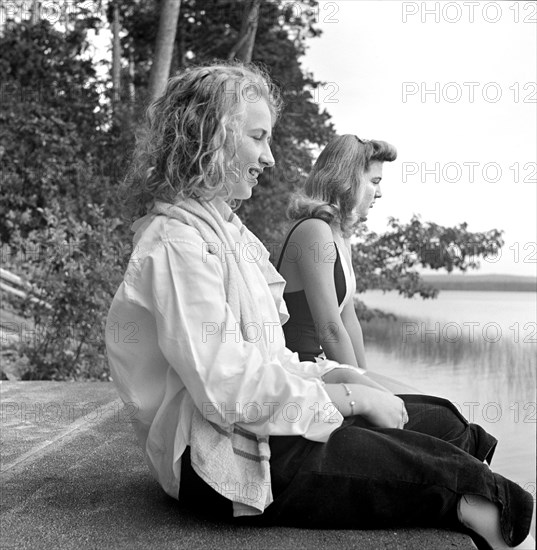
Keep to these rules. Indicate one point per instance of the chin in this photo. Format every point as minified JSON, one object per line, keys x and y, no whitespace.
{"x":246,"y":194}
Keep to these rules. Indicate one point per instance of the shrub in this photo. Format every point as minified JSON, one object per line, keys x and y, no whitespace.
{"x":73,"y":268}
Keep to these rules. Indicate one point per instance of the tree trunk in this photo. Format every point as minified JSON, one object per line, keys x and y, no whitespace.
{"x":244,"y":47}
{"x":36,"y":9}
{"x":116,"y":57}
{"x":65,"y":15}
{"x":181,"y":48}
{"x":160,"y":69}
{"x":132,"y":89}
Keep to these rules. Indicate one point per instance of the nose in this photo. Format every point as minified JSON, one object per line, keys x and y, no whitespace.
{"x":378,"y":192}
{"x":266,"y":158}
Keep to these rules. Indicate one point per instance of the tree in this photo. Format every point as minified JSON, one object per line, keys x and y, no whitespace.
{"x":389,"y":261}
{"x":50,"y":113}
{"x":244,"y":47}
{"x":160,"y":69}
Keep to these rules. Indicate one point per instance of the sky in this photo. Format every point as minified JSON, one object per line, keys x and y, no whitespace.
{"x":453,"y":86}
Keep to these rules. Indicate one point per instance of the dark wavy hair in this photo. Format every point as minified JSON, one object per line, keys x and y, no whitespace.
{"x":190,"y":135}
{"x":331,"y":189}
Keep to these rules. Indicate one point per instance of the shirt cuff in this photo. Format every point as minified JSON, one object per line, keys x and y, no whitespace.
{"x":326,"y":420}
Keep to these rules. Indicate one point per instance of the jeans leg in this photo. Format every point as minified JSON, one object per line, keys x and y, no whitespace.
{"x":440,"y":418}
{"x":198,"y":496}
{"x":364,"y":478}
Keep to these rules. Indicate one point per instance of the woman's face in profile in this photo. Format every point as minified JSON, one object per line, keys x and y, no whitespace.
{"x":253,"y":153}
{"x":369,"y":190}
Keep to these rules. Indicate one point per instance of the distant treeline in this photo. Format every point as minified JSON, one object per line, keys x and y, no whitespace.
{"x":512,"y":283}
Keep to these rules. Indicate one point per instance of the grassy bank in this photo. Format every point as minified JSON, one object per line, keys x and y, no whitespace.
{"x":416,"y":340}
{"x":498,"y":283}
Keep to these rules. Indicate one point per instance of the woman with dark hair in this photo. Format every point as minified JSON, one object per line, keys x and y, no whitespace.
{"x":316,"y":258}
{"x":229,"y":419}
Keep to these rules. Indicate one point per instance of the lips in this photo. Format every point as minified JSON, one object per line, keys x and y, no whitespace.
{"x":254,"y":173}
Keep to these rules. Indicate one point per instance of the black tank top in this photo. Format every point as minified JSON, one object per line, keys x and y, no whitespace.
{"x":301,"y":332}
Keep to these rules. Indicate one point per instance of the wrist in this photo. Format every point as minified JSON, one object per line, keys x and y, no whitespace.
{"x":362,"y":396}
{"x":350,"y":399}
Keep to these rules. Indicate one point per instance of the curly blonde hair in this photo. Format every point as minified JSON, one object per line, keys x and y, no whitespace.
{"x":331,"y":189}
{"x":191,"y":134}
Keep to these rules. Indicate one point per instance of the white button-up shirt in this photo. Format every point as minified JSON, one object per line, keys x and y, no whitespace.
{"x":166,"y":361}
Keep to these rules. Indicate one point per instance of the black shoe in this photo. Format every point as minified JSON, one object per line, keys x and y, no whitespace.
{"x":516,"y":511}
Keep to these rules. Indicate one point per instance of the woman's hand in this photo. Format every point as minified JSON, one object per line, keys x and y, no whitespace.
{"x":384,"y":409}
{"x":381,"y":408}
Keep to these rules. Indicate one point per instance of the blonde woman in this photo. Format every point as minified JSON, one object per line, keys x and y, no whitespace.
{"x":231,"y":422}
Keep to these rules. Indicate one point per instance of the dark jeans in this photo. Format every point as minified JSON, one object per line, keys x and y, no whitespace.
{"x":366,"y":477}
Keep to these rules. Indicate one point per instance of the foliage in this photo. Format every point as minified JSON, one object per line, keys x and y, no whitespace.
{"x":59,"y":224}
{"x":73,"y":268}
{"x":389,"y":261}
{"x":49,"y":115}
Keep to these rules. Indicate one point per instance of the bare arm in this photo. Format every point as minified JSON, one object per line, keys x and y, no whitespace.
{"x":316,"y":270}
{"x":351,"y":376}
{"x":354,"y":330}
{"x":314,"y":239}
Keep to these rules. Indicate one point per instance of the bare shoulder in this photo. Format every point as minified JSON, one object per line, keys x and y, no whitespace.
{"x":315,"y":241}
{"x":313,"y":230}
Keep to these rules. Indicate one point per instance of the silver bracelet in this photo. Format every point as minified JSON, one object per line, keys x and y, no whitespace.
{"x":348,"y":392}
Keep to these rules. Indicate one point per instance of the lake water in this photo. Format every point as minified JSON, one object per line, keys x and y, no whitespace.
{"x":477,"y":349}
